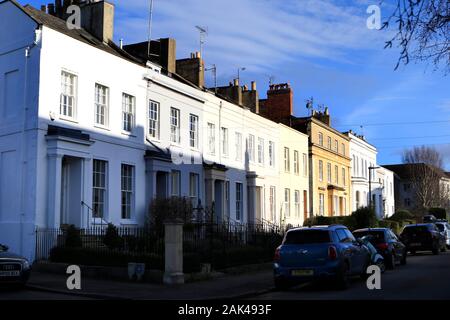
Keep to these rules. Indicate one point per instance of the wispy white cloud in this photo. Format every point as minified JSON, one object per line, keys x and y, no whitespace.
{"x":257,"y":34}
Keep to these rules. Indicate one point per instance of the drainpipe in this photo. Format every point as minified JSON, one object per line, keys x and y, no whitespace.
{"x":23,"y":161}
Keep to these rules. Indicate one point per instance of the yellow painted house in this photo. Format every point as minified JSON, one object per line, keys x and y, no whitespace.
{"x":329,"y":165}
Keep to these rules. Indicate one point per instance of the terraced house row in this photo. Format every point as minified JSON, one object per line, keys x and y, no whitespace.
{"x":91,"y":132}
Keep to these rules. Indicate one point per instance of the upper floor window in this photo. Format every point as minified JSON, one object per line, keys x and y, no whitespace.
{"x":344,"y":180}
{"x":260,"y":150}
{"x":320,"y":170}
{"x":67,"y":103}
{"x":336,"y":146}
{"x":336,"y":174}
{"x":305,"y":165}
{"x":343,"y":149}
{"x":320,"y":139}
{"x":238,"y":145}
{"x":271,"y":153}
{"x":296,"y":163}
{"x":329,"y":143}
{"x":101,"y":104}
{"x":287,"y":161}
{"x":224,"y":143}
{"x":128,"y":112}
{"x":193,"y":131}
{"x":211,"y":138}
{"x":153,"y":119}
{"x":251,"y":147}
{"x":329,"y":172}
{"x":174,"y":125}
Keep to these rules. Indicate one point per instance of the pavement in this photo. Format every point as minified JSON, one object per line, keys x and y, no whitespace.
{"x":235,"y":286}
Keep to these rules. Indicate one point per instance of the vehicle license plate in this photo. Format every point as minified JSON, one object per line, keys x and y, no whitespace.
{"x":9,"y":273}
{"x":302,"y":272}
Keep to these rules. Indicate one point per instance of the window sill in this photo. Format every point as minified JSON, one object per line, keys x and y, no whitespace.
{"x":99,"y":126}
{"x":129,"y":222}
{"x":65,"y":118}
{"x":128,"y":134}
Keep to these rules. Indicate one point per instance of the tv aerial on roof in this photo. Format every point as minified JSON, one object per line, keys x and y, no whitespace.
{"x":203,"y":32}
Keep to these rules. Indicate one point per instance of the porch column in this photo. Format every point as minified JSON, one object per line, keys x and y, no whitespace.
{"x":54,"y":170}
{"x":87,"y":192}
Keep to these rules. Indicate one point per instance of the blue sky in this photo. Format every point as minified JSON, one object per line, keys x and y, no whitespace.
{"x":322,"y":48}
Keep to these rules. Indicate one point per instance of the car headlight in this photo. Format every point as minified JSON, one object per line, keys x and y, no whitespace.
{"x":25,"y":264}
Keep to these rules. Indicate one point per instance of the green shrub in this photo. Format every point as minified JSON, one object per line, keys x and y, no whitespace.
{"x":394,"y":225}
{"x":107,"y":258}
{"x":112,"y":238}
{"x":73,"y":237}
{"x":439,"y":213}
{"x":363,"y":218}
{"x":402,"y":215}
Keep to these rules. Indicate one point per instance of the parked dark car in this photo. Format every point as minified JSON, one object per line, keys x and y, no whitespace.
{"x":320,"y":252}
{"x":387,"y":244}
{"x":375,"y":257}
{"x":422,"y":237}
{"x":14,"y":269}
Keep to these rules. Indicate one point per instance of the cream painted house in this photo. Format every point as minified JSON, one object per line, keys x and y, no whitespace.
{"x":293,"y":192}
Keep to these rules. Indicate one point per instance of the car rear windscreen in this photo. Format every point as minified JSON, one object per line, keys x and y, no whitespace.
{"x":415,"y":229}
{"x":376,"y":236}
{"x":307,"y":237}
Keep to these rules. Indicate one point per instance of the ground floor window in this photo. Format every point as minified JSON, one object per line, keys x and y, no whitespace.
{"x":297,"y":203}
{"x":272,"y":201}
{"x":321,"y":204}
{"x":193,"y":188}
{"x":99,"y":188}
{"x":287,"y":202}
{"x":239,"y":191}
{"x":176,"y":181}
{"x":127,"y":186}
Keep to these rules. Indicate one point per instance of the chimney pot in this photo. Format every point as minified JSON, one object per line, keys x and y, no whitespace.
{"x":43,"y":8}
{"x":236,"y":82}
{"x":253,"y":86}
{"x":245,"y":88}
{"x":51,"y":9}
{"x":198,"y":55}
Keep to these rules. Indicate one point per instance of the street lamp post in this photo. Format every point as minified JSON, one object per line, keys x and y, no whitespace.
{"x":370,"y":185}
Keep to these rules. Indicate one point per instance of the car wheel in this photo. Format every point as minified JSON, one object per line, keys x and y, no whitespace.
{"x":436,"y":250}
{"x":342,"y":278}
{"x":381,"y":265}
{"x":281,"y":284}
{"x":391,"y":262}
{"x":403,"y":260}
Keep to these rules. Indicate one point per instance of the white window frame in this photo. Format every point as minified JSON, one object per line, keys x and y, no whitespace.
{"x":175,"y":125}
{"x":261,"y":151}
{"x":128,"y":112}
{"x":287,"y":202}
{"x":305,"y":164}
{"x":251,"y":148}
{"x":321,"y":204}
{"x":194,"y":182}
{"x":100,"y":189}
{"x":296,"y":163}
{"x":224,"y":141}
{"x":320,"y":170}
{"x":272,"y":202}
{"x":153,"y":119}
{"x":297,"y":203}
{"x":287,"y":160}
{"x":211,"y":138}
{"x":238,"y":145}
{"x":336,"y":174}
{"x":329,"y":172}
{"x":239,"y":198}
{"x":68,"y":95}
{"x":128,"y":190}
{"x":271,"y":153}
{"x":193,"y":131}
{"x":101,"y":105}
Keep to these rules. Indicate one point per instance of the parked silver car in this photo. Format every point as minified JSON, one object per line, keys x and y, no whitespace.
{"x":444,"y":228}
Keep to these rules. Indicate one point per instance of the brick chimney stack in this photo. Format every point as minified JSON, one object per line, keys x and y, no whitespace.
{"x":279,"y":104}
{"x":192,"y":69}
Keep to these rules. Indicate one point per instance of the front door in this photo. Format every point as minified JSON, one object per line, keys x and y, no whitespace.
{"x":71,"y":191}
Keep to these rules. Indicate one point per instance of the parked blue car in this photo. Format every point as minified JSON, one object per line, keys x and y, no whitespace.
{"x":319,"y":252}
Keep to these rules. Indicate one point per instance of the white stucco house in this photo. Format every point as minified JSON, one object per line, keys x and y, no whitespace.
{"x":90,"y":134}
